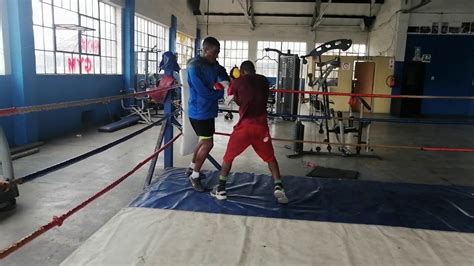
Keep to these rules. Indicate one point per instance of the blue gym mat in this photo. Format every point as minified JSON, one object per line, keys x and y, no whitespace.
{"x":446,"y":208}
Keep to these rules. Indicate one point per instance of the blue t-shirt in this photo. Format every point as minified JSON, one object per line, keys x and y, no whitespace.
{"x":203,"y":99}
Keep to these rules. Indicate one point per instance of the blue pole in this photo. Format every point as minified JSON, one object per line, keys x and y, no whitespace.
{"x":173,"y":30}
{"x":129,"y":45}
{"x":23,"y":68}
{"x":168,"y":161}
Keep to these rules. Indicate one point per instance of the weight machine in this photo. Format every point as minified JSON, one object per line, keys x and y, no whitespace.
{"x":288,"y":79}
{"x":330,"y":122}
{"x":140,"y":106}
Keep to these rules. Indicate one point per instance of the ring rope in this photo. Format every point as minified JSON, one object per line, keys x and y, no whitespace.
{"x":58,"y":220}
{"x":375,"y":95}
{"x":365,"y":119}
{"x":422,"y":148}
{"x":53,"y":106}
{"x":61,"y":105}
{"x":58,"y":166}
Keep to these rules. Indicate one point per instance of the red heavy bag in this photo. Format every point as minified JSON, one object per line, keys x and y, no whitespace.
{"x":165,"y":83}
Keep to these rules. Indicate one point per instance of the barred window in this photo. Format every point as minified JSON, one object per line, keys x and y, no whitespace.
{"x":184,"y":48}
{"x":148,"y":36}
{"x":233,"y":53}
{"x":354,"y":50}
{"x":77,"y":37}
{"x":267,"y":62}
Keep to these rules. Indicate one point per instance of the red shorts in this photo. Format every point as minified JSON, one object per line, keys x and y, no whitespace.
{"x":245,"y":135}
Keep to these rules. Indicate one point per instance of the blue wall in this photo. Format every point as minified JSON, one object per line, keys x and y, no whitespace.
{"x":452,"y":66}
{"x":60,"y":88}
{"x":5,"y":101}
{"x":25,"y":88}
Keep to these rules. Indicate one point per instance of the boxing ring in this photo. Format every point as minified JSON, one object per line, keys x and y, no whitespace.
{"x":327,"y":221}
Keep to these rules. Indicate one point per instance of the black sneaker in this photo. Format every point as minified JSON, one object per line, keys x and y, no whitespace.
{"x":188,"y":171}
{"x":196,"y":183}
{"x":280,"y":195}
{"x":219,"y":193}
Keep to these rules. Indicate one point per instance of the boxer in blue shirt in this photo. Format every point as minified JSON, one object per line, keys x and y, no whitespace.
{"x":207,"y":80}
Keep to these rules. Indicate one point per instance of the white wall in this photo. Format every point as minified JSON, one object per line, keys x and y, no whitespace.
{"x":388,"y":35}
{"x":383,"y":34}
{"x":161,"y":11}
{"x":282,"y":33}
{"x":454,"y":12}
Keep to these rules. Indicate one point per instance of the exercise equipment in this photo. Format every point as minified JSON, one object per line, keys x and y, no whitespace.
{"x":122,"y":123}
{"x":327,"y":172}
{"x":190,"y":139}
{"x":330,"y":122}
{"x":288,"y":78}
{"x":140,"y":106}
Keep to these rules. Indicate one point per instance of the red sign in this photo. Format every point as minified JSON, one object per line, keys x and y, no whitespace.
{"x":85,"y":63}
{"x":90,"y":46}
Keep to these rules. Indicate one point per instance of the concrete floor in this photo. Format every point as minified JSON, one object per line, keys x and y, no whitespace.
{"x":57,"y":192}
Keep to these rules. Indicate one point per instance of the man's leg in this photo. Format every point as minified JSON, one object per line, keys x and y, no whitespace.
{"x":190,"y":169}
{"x":205,"y":130}
{"x":238,"y":142}
{"x":219,"y":191}
{"x":278,"y":190}
{"x":204,"y":148}
{"x":262,"y":145}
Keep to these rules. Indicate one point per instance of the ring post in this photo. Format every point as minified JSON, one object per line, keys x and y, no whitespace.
{"x":7,"y":199}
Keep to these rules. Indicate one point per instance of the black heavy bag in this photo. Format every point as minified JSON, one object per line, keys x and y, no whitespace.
{"x":298,"y":134}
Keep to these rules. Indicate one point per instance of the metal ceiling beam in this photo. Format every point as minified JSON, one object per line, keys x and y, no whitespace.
{"x":246,"y":13}
{"x":252,"y":15}
{"x":289,"y":15}
{"x":325,"y":1}
{"x":320,"y":16}
{"x":317,"y":10}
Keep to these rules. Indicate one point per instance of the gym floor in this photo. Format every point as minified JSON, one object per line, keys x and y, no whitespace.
{"x":55,"y":193}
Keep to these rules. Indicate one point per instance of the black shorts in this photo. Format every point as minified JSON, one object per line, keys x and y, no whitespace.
{"x":203,"y":128}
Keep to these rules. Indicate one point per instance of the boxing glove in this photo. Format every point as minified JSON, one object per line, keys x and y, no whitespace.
{"x":221,"y":85}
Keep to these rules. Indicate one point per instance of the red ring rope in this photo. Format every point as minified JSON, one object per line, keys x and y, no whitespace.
{"x":371,"y":145}
{"x":58,"y":220}
{"x":375,"y":95}
{"x":53,"y":106}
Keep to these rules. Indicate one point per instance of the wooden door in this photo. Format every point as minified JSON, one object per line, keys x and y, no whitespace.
{"x":364,"y":73}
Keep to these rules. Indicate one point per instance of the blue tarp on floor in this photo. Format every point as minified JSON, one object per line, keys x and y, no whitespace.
{"x":447,"y":208}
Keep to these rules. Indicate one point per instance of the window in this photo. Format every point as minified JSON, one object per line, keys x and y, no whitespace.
{"x":233,"y":53}
{"x":354,"y":50}
{"x":184,"y":48}
{"x":267,"y":62}
{"x":332,"y":78}
{"x":149,"y":36}
{"x":2,"y":52}
{"x":77,"y":37}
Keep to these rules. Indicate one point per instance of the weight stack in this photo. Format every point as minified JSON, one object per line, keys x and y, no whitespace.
{"x":298,"y":134}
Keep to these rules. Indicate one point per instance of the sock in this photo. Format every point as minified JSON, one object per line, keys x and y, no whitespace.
{"x":191,"y":165}
{"x":195,"y":174}
{"x":278,"y":183}
{"x":222,"y":182}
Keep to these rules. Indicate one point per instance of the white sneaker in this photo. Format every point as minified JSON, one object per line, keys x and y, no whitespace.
{"x":280,"y":195}
{"x":219,"y":194}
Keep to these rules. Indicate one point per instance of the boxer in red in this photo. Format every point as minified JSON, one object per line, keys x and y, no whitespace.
{"x":250,"y":92}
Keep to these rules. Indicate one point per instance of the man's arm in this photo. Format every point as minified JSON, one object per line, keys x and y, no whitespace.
{"x":201,"y":88}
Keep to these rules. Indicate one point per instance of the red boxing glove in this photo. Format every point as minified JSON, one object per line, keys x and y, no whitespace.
{"x":221,"y":85}
{"x":218,"y":86}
